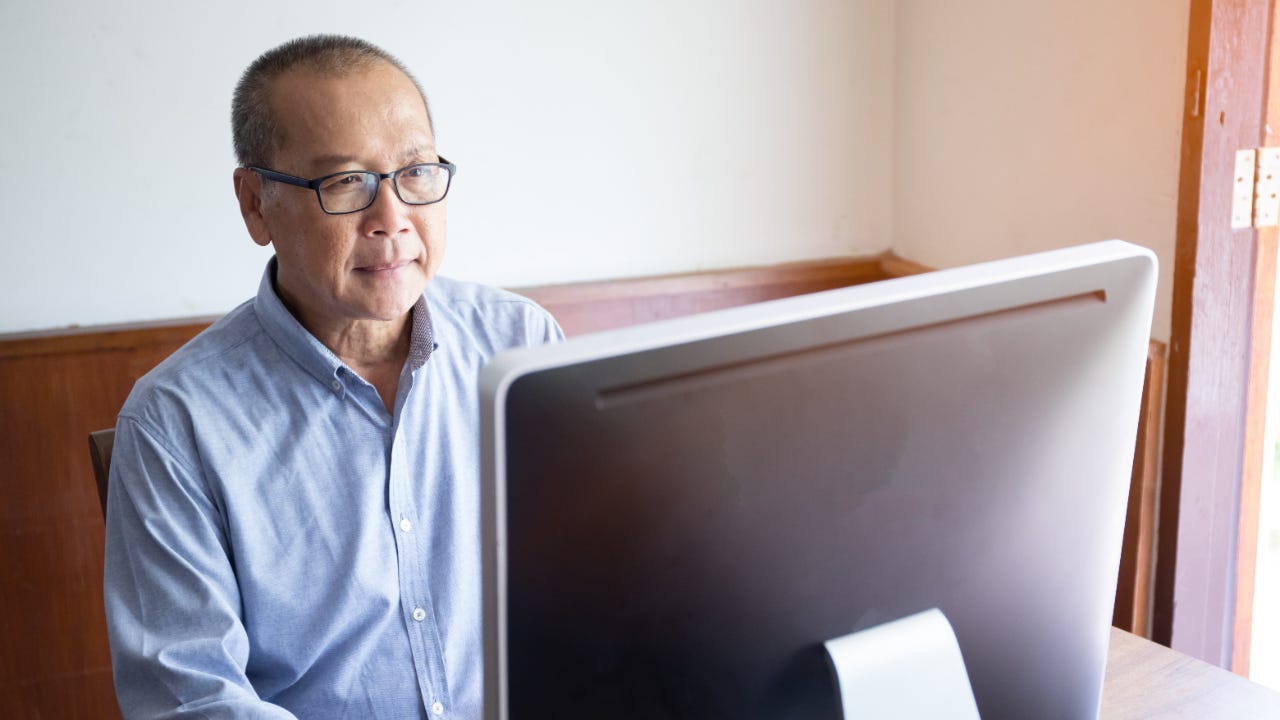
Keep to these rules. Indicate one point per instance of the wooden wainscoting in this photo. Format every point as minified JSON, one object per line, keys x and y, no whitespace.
{"x":56,"y":387}
{"x":1135,"y":588}
{"x":593,"y":306}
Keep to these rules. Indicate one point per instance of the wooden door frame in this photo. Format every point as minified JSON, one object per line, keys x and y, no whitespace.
{"x":1220,"y":337}
{"x":1265,"y":265}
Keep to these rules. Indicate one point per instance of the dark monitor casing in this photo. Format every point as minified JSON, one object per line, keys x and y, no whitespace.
{"x":677,"y":515}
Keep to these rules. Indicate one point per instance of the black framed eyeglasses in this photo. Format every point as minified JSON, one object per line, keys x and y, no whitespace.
{"x":354,"y":190}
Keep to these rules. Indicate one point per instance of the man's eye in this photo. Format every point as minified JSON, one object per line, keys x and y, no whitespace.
{"x":343,"y":183}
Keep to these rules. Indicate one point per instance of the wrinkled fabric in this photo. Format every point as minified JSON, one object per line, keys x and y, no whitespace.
{"x":279,"y":545}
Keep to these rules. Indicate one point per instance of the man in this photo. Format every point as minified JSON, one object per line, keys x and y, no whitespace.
{"x":293,"y":523}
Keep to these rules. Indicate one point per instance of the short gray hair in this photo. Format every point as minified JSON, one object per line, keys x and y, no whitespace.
{"x":255,"y":131}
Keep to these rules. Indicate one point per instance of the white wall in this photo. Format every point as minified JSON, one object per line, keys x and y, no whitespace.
{"x":1026,"y":126}
{"x":601,"y":140}
{"x":594,"y":140}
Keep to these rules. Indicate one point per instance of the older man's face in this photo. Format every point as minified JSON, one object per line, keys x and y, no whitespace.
{"x":336,"y":270}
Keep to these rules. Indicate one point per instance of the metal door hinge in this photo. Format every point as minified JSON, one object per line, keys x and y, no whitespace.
{"x":1255,"y":195}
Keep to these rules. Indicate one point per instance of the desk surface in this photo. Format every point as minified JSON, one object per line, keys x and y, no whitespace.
{"x":1146,"y":680}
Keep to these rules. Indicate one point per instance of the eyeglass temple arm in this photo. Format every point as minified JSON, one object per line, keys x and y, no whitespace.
{"x":281,"y":177}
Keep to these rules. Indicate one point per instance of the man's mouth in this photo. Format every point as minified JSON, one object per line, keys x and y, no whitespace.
{"x":383,"y":268}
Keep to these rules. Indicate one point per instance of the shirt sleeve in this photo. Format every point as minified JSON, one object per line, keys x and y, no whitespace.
{"x":178,"y":645}
{"x":552,"y":333}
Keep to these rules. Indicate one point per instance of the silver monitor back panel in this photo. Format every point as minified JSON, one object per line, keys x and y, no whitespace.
{"x":678,"y":515}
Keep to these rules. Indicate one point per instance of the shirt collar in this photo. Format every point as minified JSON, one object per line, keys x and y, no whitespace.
{"x":311,"y":354}
{"x":421,"y":335}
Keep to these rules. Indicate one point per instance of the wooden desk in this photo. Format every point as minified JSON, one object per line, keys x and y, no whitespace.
{"x":1146,"y":680}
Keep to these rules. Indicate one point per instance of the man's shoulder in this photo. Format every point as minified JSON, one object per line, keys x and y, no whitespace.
{"x":449,"y":292}
{"x":491,"y":318}
{"x":202,"y":362}
{"x":475,"y":307}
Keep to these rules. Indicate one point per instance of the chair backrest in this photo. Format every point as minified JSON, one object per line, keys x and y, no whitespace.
{"x":100,"y":443}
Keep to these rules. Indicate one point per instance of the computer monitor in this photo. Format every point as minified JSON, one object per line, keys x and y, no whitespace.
{"x":678,"y":515}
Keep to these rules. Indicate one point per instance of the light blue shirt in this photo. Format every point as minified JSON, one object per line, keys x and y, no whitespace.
{"x":278,"y":545}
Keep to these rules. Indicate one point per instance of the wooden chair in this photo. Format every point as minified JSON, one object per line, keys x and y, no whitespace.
{"x":100,"y":443}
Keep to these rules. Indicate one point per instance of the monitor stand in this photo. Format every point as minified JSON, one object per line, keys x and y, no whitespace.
{"x":908,"y":668}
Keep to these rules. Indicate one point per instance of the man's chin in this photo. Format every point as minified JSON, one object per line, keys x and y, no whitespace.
{"x":392,"y":309}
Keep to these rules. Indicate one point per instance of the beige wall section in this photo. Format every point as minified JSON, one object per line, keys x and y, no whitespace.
{"x":639,"y":138}
{"x":1025,"y":126}
{"x":601,"y":140}
{"x":593,"y":139}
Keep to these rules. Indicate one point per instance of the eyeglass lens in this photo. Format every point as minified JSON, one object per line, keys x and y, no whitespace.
{"x":415,"y":185}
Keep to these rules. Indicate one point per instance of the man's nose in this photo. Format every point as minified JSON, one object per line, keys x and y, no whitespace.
{"x":388,"y":214}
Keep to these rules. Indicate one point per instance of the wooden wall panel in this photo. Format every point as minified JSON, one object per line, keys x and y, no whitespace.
{"x":54,"y":388}
{"x":594,"y":306}
{"x":1135,"y":590}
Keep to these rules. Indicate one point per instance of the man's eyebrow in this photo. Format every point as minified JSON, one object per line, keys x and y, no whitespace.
{"x":419,"y":152}
{"x":329,"y":161}
{"x":413,"y":154}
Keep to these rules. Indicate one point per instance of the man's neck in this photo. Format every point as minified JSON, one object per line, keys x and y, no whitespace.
{"x":376,"y":353}
{"x":375,"y":350}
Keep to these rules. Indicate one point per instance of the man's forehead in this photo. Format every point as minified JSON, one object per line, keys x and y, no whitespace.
{"x":328,"y":120}
{"x":315,"y":161}
{"x":376,"y":81}
{"x":422,"y":152}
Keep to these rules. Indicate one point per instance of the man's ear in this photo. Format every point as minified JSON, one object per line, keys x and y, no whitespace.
{"x":249,"y":192}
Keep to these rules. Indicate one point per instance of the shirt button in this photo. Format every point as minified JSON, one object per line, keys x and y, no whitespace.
{"x":437,"y":708}
{"x":336,"y":385}
{"x":405,"y":525}
{"x":419,"y":614}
